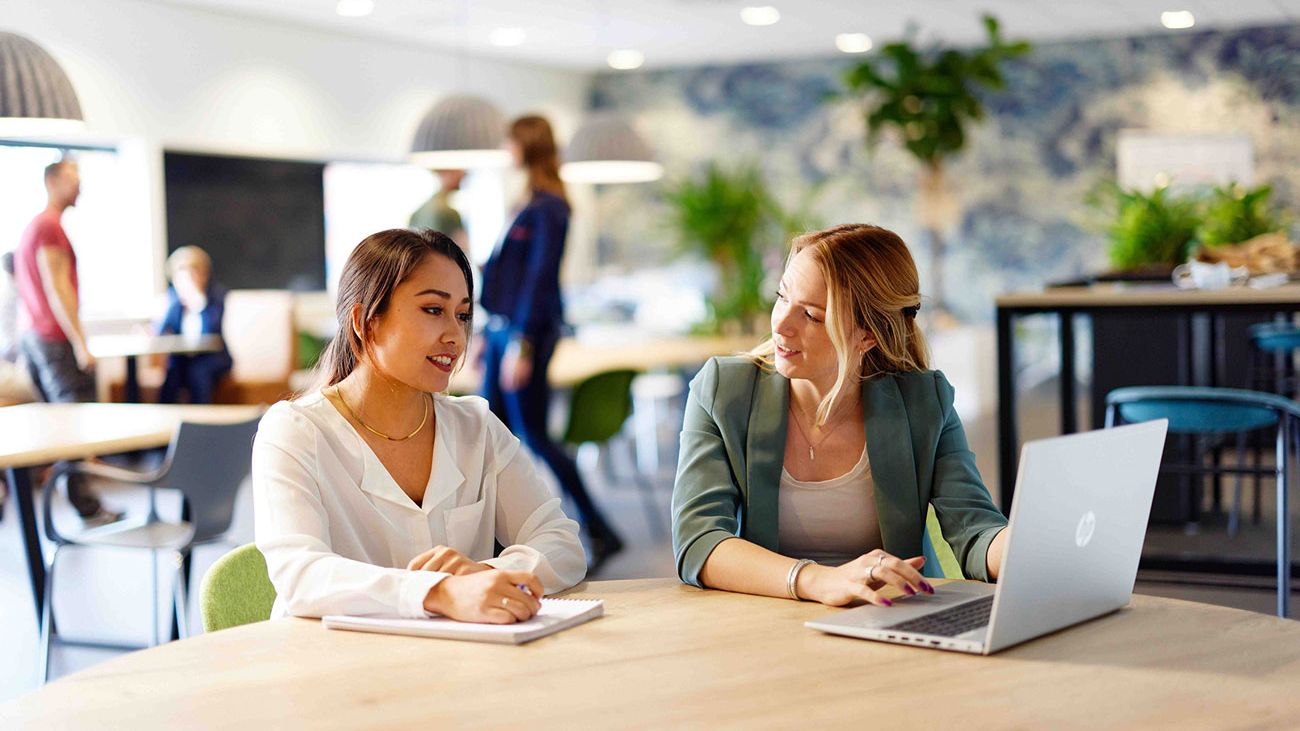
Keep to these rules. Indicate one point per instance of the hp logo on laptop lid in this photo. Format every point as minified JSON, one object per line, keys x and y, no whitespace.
{"x":1083,"y":532}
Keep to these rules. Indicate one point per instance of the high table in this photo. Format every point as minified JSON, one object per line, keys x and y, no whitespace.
{"x":39,"y":434}
{"x":1119,"y":299}
{"x":670,"y":656}
{"x":132,"y":346}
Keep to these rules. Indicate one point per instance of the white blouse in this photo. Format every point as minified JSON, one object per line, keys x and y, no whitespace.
{"x":337,"y":531}
{"x":831,"y":522}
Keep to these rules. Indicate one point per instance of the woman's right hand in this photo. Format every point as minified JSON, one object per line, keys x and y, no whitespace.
{"x":492,"y":596}
{"x":863,"y":579}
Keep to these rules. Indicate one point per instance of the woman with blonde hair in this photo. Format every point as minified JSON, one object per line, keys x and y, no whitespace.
{"x":521,"y":291}
{"x":807,"y":466}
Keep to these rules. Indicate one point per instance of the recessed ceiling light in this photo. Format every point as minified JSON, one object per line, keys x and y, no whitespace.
{"x":625,"y":59}
{"x":506,"y":37}
{"x":355,"y":8}
{"x":1177,"y":19}
{"x":760,"y":15}
{"x":853,"y":42}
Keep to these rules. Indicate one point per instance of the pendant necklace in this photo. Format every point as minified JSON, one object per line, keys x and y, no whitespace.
{"x":812,"y":448}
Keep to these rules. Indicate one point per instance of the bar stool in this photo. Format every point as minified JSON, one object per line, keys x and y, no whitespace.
{"x":1213,"y":412}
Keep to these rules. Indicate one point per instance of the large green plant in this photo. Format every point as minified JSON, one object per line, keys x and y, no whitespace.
{"x":930,"y":98}
{"x":729,"y":217}
{"x":1152,"y":228}
{"x":1234,"y":214}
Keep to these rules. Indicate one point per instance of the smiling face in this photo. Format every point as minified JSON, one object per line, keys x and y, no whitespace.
{"x":799,"y":327}
{"x":423,"y":332}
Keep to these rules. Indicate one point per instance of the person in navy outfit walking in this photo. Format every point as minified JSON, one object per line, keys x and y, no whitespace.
{"x":521,"y":291}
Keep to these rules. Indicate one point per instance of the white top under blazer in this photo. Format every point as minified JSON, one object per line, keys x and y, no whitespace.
{"x":337,"y":531}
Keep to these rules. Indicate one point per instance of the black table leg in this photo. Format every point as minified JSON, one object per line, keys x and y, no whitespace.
{"x":1069,"y":399}
{"x":1008,"y":441}
{"x":132,"y":386}
{"x":20,"y":486}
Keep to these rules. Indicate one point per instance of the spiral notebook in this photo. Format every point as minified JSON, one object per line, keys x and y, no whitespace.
{"x":555,"y":615}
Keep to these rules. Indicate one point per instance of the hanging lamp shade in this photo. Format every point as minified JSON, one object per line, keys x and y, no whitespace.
{"x":36,"y":96}
{"x":460,"y":133}
{"x":606,"y":149}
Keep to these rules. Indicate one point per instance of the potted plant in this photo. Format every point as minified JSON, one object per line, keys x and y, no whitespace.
{"x":729,"y":217}
{"x":1234,"y":214}
{"x":930,"y":97}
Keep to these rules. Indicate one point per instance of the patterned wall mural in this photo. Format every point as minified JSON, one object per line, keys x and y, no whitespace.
{"x":1050,"y":136}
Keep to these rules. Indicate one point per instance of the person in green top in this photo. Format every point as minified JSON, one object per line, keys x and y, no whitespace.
{"x":438,"y":214}
{"x":808,"y":465}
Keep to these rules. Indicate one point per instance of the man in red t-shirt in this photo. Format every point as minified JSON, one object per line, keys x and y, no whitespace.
{"x":45,"y":270}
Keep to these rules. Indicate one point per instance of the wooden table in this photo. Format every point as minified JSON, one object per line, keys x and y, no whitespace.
{"x":575,"y":361}
{"x":670,"y":656}
{"x":39,"y":434}
{"x":132,"y":346}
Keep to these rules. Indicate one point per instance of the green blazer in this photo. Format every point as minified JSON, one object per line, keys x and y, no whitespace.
{"x":733,"y":446}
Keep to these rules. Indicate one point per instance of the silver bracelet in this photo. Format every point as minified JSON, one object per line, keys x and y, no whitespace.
{"x":793,"y":576}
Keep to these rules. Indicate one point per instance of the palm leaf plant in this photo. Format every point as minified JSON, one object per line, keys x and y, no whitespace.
{"x":930,"y":97}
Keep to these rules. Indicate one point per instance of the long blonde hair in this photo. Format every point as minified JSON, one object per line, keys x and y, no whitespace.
{"x":872,"y":285}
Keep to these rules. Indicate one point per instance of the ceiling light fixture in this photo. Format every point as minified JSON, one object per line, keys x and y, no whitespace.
{"x":355,"y":8}
{"x":460,"y":133}
{"x":760,"y":15}
{"x":853,"y":42}
{"x":606,"y":149}
{"x":507,"y":37}
{"x":36,"y":97}
{"x":1177,"y":19}
{"x":625,"y":59}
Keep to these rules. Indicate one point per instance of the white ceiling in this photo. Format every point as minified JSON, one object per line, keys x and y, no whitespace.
{"x":580,"y":34}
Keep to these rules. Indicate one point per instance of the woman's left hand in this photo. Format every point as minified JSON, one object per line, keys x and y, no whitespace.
{"x":516,"y":369}
{"x":447,"y":560}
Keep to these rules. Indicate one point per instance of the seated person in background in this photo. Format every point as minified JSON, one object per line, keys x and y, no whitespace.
{"x":195,"y":305}
{"x":832,"y":507}
{"x":377,"y":493}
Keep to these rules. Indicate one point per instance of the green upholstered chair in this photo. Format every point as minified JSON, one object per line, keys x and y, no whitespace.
{"x":940,"y":561}
{"x":236,"y":590}
{"x":597,"y":410}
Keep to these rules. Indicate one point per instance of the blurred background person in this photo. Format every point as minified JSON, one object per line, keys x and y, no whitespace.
{"x":439,"y":214}
{"x":54,"y":344}
{"x":195,"y":305}
{"x":521,"y":291}
{"x":15,"y":384}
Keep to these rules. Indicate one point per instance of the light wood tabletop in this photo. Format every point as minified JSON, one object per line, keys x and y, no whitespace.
{"x":131,"y":345}
{"x":1149,"y":295}
{"x":575,"y":360}
{"x":670,"y":656}
{"x":42,"y":433}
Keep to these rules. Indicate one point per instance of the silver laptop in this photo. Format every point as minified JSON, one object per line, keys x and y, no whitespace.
{"x":1077,"y":526}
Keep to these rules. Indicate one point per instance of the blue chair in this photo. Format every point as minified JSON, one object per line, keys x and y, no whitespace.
{"x":206,"y":463}
{"x":1215,"y":412}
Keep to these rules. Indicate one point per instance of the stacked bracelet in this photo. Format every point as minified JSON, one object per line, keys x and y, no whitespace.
{"x":793,"y":577}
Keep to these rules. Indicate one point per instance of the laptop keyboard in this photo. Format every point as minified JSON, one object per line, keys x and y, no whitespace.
{"x":952,"y":621}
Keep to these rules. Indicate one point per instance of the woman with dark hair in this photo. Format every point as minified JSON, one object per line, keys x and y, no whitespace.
{"x":378,"y":494}
{"x":808,"y":466}
{"x":521,"y":290}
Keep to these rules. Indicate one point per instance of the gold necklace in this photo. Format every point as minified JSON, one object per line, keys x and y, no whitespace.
{"x":812,"y":448}
{"x":339,"y":392}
